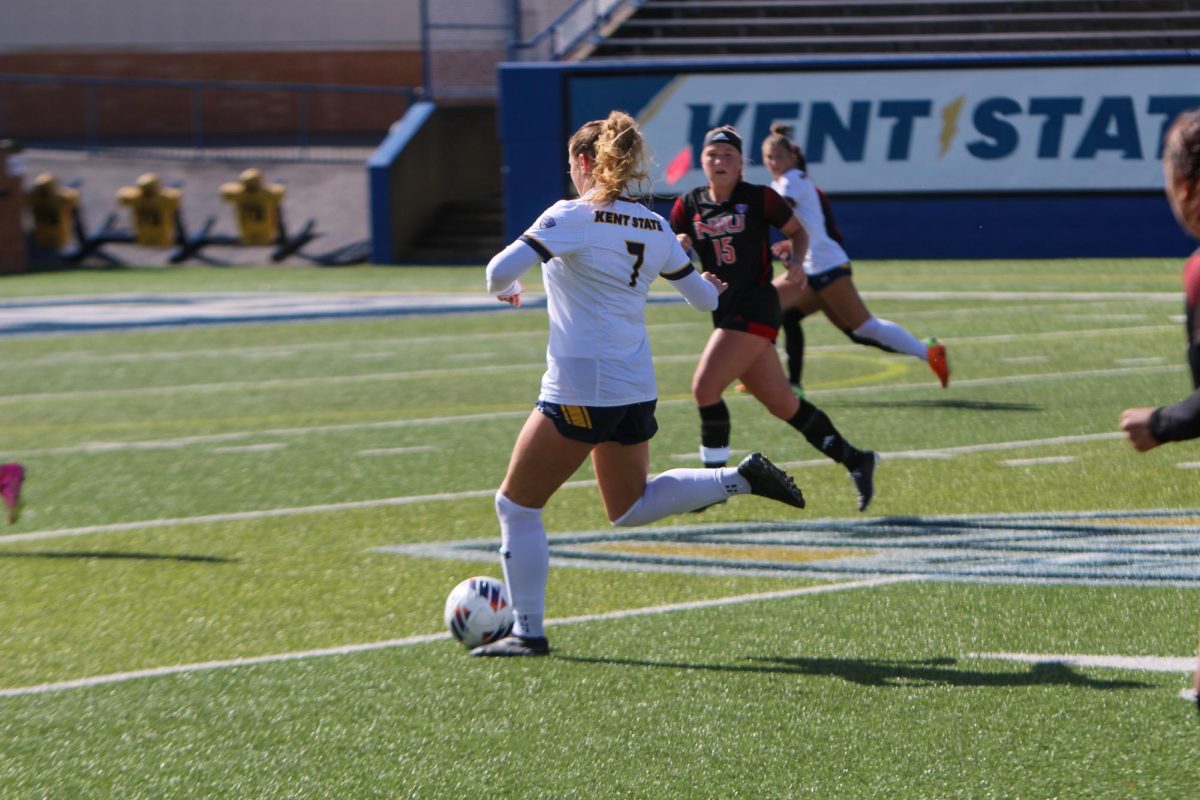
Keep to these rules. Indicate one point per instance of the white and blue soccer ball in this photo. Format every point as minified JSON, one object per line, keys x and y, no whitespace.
{"x":478,"y":611}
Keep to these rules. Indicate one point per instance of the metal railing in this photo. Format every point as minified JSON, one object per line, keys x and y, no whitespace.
{"x":200,"y":120}
{"x":576,"y":25}
{"x":459,"y":56}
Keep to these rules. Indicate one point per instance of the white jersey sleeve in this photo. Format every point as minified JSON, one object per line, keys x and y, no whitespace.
{"x":508,"y":265}
{"x":824,"y":253}
{"x":699,"y":293}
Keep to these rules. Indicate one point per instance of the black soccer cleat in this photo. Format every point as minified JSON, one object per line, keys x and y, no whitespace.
{"x":768,"y":480}
{"x":514,"y":646}
{"x":864,"y":478}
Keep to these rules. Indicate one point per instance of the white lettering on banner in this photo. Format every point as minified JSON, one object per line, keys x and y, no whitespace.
{"x":962,"y":130}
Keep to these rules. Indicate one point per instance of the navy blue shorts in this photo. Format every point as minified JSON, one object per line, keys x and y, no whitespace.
{"x":823,"y":279}
{"x":632,"y":424}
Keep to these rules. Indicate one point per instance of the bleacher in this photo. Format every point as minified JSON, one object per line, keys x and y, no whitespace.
{"x":734,"y":28}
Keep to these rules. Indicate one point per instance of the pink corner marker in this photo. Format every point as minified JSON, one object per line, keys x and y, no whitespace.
{"x":11,"y":478}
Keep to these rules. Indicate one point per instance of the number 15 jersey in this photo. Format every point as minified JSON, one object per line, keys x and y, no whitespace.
{"x":598,"y":264}
{"x":733,"y":240}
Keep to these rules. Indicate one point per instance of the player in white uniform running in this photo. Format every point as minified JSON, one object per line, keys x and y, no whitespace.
{"x":830,"y":287}
{"x":600,"y":253}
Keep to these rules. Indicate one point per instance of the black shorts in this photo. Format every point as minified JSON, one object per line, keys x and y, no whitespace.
{"x":757,"y":313}
{"x":823,"y":279}
{"x":631,"y":424}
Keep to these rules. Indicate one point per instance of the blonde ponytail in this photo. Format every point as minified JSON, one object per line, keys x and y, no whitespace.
{"x":618,"y":152}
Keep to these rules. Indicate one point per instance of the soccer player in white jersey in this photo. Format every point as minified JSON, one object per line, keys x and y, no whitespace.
{"x":830,"y":287}
{"x":600,"y":253}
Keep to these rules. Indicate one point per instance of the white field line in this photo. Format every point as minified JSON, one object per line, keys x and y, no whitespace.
{"x":948,"y":452}
{"x":188,"y":441}
{"x":326,"y":508}
{"x":265,"y":447}
{"x":967,"y":449}
{"x":121,"y":677}
{"x":397,"y":451}
{"x":270,"y":383}
{"x":1134,"y":362}
{"x":996,"y":381}
{"x":1033,"y":462}
{"x":1003,"y":296}
{"x":370,"y":377}
{"x":1137,"y":663}
{"x":1042,"y":307}
{"x":1087,"y":333}
{"x":241,"y":516}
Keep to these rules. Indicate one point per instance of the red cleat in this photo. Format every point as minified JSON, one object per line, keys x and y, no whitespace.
{"x":938,"y":361}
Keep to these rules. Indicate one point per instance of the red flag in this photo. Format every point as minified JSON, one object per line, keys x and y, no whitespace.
{"x":680,"y":165}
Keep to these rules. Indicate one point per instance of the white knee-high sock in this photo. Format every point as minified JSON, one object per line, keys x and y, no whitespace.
{"x":678,"y":490}
{"x":892,"y":337}
{"x":525,"y":555}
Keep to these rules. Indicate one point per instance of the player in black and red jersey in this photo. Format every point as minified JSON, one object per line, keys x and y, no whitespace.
{"x":1147,"y":428}
{"x":728,"y":222}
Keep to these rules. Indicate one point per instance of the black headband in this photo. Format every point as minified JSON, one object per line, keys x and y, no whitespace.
{"x":724,"y":136}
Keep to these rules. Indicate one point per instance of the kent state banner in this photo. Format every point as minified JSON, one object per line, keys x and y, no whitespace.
{"x":1019,"y":129}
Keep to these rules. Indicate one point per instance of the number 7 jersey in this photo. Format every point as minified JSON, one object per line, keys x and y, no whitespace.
{"x":598,"y":264}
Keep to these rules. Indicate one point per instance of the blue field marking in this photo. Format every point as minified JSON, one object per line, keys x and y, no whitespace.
{"x":59,"y":315}
{"x":1156,"y":547}
{"x":128,"y":312}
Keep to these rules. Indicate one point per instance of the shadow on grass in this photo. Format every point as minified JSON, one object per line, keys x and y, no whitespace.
{"x":956,"y":404}
{"x":868,"y":672}
{"x":83,"y":555}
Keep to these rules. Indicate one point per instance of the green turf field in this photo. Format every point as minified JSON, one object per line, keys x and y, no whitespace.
{"x":229,"y":574}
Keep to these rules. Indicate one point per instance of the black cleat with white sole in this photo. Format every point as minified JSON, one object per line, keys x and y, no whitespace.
{"x":514,"y":645}
{"x":768,"y":480}
{"x":864,"y":478}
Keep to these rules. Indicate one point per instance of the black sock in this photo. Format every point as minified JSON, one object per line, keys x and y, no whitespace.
{"x":715,"y":427}
{"x":793,"y":344}
{"x":816,"y":427}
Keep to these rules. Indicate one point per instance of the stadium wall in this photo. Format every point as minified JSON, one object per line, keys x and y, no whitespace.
{"x":177,"y":25}
{"x":229,"y":25}
{"x":950,"y":157}
{"x":433,"y":155}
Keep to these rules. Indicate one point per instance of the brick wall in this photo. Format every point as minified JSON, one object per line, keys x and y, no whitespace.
{"x":32,"y":111}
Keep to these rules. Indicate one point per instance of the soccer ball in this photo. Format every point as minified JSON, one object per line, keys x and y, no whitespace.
{"x":478,"y":611}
